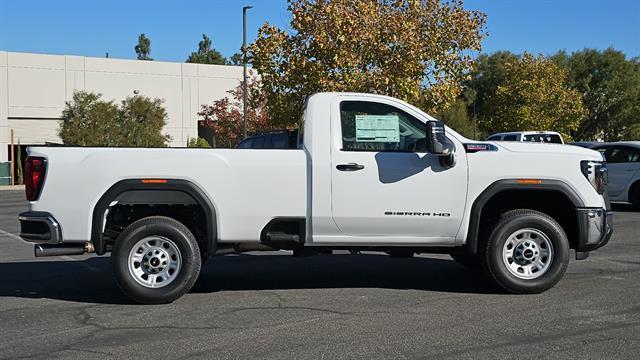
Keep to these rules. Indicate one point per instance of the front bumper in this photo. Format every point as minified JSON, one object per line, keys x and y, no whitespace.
{"x":595,"y":227}
{"x":39,"y":227}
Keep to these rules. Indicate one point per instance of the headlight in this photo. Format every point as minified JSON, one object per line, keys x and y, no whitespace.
{"x":597,"y":174}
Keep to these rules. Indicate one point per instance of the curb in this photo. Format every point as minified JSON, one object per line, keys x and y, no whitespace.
{"x":11,"y":187}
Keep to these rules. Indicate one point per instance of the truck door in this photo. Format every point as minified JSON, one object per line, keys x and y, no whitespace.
{"x":384,"y":183}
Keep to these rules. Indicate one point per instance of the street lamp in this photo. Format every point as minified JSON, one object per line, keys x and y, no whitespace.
{"x":244,"y":66}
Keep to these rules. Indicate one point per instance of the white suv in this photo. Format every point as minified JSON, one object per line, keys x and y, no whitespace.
{"x":530,"y":136}
{"x":623,"y":163}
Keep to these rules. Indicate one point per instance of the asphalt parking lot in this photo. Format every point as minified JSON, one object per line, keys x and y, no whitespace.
{"x":275,"y":306}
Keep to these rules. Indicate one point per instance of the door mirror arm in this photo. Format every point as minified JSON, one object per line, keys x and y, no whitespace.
{"x":438,"y":144}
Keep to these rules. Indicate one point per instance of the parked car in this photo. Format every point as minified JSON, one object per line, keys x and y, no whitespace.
{"x":586,"y":144}
{"x":623,"y":164}
{"x":372,"y":173}
{"x":280,"y":139}
{"x":530,"y":136}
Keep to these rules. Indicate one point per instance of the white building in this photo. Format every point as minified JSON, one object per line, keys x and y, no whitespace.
{"x":34,"y":88}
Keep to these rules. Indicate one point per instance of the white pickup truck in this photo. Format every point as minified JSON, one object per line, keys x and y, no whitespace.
{"x":370,"y":173}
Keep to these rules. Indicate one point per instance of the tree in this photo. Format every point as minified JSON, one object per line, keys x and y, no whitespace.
{"x":414,"y":50}
{"x":533,"y":96}
{"x":457,"y":118}
{"x":205,"y":54}
{"x":140,"y":122}
{"x":198,"y":142}
{"x":484,"y":80}
{"x":225,"y":116}
{"x":89,"y":121}
{"x":236,"y":59}
{"x":610,"y":88}
{"x":143,"y":49}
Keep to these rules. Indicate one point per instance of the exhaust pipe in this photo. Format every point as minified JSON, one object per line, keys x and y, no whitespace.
{"x":42,"y":250}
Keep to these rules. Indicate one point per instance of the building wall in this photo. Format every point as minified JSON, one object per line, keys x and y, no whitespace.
{"x":34,"y":88}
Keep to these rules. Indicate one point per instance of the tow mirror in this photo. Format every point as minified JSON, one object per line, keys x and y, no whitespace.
{"x":438,"y":144}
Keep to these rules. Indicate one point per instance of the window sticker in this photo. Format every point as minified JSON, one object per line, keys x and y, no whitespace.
{"x":377,"y":128}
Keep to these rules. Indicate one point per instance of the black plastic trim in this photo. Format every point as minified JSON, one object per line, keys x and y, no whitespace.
{"x":52,"y":235}
{"x":281,"y":240}
{"x":511,"y":184}
{"x":136,"y":184}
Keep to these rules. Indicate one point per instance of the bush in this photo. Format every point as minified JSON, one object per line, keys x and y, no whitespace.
{"x":198,"y":143}
{"x":87,"y":120}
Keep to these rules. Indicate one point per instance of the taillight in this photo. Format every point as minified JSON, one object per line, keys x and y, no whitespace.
{"x":34,"y":171}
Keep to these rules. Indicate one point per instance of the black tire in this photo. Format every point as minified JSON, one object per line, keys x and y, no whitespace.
{"x":168,"y":230}
{"x":401,"y":253}
{"x":634,"y":195}
{"x":467,"y":260}
{"x":509,"y":223}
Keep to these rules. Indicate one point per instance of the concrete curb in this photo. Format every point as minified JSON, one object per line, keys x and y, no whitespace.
{"x":11,"y":187}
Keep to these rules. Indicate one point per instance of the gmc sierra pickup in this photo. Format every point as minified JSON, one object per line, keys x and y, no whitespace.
{"x":371,"y":173}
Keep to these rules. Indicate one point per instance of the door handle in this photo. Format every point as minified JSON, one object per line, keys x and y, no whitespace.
{"x":349,"y":167}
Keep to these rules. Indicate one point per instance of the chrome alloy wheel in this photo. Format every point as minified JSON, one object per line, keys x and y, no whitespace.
{"x":527,"y":253}
{"x":154,"y":261}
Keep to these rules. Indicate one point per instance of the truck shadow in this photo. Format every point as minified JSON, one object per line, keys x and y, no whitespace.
{"x":91,"y":281}
{"x":619,"y":207}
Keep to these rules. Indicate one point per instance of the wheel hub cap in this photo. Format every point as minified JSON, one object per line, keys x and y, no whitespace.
{"x":154,"y":261}
{"x":527,"y":253}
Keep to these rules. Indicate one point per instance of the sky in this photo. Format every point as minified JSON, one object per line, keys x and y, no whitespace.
{"x":93,"y":28}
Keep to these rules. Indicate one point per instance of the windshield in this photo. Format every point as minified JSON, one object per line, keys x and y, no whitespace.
{"x":547,"y":138}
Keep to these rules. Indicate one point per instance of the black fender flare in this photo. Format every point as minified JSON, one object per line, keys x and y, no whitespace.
{"x":188,"y":187}
{"x":471,"y":244}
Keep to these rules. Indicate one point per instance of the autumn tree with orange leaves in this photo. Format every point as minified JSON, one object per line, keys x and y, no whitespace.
{"x":415,"y":50}
{"x":225,"y":116}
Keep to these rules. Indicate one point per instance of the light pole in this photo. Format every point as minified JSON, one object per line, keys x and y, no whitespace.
{"x":244,"y":67}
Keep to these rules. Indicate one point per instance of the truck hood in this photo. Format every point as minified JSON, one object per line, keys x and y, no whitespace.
{"x":560,"y":149}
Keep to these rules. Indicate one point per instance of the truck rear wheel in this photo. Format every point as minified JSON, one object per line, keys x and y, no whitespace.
{"x":527,"y":252}
{"x":156,"y":260}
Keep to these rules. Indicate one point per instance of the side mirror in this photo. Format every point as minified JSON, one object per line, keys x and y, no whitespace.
{"x":438,"y":144}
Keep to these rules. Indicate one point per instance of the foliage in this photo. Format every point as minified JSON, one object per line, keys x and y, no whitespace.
{"x":235,"y":59}
{"x":140,"y":122}
{"x":205,"y":54}
{"x":143,"y":49}
{"x":484,"y":80}
{"x":610,"y":89}
{"x":89,"y":121}
{"x":416,"y":50}
{"x":456,"y":117}
{"x":225,"y":116}
{"x":198,"y":142}
{"x":533,"y":96}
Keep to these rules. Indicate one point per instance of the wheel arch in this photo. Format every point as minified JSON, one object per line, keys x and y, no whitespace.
{"x":166,"y":186}
{"x":508,"y":185}
{"x":635,"y":184}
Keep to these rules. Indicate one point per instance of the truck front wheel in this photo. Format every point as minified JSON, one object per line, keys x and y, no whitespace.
{"x":156,"y":260}
{"x":527,"y":252}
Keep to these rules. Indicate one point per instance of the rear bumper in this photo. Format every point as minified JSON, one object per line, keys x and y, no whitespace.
{"x":39,"y":227}
{"x":595,"y":227}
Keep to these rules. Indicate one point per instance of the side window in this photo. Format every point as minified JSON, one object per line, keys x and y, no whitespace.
{"x":280,"y":141}
{"x":554,"y":139}
{"x":494,"y":138}
{"x":616,"y":155}
{"x":258,"y":142}
{"x":510,"y":138}
{"x":370,"y":126}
